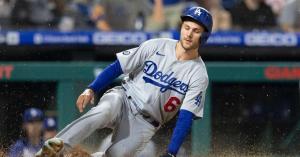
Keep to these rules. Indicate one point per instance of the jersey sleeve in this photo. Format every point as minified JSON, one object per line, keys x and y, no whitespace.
{"x":132,"y":59}
{"x":195,"y":97}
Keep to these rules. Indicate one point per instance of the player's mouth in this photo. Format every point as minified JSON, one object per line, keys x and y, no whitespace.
{"x":188,"y":41}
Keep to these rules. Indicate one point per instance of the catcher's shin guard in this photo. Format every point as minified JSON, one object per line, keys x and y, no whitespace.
{"x":51,"y":148}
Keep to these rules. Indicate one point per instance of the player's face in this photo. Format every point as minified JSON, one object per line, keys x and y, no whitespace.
{"x":33,"y":129}
{"x":190,"y":35}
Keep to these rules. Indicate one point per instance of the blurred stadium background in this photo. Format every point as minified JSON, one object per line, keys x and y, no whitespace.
{"x":50,"y":50}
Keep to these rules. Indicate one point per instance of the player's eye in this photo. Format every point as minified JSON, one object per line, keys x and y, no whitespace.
{"x":186,"y":27}
{"x":197,"y":31}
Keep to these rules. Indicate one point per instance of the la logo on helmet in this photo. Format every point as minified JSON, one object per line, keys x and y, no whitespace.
{"x":198,"y":12}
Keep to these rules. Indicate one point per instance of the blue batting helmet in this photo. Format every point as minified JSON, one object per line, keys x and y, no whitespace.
{"x":32,"y":114}
{"x":50,"y":123}
{"x":202,"y":17}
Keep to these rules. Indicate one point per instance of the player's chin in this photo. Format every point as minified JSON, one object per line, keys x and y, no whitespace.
{"x":188,"y":46}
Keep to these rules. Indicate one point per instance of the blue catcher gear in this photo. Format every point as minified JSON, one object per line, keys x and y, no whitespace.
{"x":202,"y":17}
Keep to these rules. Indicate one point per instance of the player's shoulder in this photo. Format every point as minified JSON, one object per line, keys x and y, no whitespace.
{"x":158,"y":44}
{"x":200,"y":71}
{"x":200,"y":63}
{"x":160,"y":41}
{"x":20,"y":143}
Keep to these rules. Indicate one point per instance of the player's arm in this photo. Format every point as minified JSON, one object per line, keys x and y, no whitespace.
{"x":182,"y":128}
{"x":106,"y":77}
{"x":127,"y":61}
{"x":191,"y":108}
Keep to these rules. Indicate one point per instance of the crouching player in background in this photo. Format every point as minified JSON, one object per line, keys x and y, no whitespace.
{"x":32,"y":125}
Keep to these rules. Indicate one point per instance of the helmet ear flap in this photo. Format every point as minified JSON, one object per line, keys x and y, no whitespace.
{"x":203,"y":38}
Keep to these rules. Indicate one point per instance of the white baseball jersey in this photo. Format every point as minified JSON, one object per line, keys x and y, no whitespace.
{"x":159,"y":83}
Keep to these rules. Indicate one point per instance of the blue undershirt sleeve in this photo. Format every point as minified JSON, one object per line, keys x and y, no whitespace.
{"x":183,"y":126}
{"x":106,"y":77}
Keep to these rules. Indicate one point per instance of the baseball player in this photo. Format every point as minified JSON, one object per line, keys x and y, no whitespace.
{"x":32,"y":141}
{"x":49,"y":128}
{"x":163,"y":77}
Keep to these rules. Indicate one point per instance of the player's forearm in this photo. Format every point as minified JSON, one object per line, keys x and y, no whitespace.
{"x":183,"y":126}
{"x":107,"y":76}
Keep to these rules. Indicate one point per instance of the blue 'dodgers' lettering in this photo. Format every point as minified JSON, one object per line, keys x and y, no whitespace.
{"x":164,"y":81}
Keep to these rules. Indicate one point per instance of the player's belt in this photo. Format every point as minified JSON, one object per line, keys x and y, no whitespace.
{"x":150,"y":120}
{"x":147,"y":117}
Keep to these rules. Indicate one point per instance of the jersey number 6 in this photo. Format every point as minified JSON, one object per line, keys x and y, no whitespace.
{"x":171,"y":105}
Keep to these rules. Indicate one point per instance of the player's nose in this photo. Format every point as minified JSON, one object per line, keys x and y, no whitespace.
{"x":190,"y":33}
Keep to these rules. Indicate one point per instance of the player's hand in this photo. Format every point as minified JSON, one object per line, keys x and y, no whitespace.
{"x":84,"y":98}
{"x":167,"y":155}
